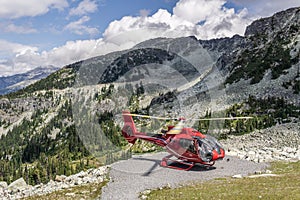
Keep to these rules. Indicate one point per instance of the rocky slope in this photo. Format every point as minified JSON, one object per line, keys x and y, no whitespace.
{"x":280,"y":142}
{"x":20,"y":189}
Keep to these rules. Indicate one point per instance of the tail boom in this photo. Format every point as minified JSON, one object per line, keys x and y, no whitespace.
{"x":129,"y":129}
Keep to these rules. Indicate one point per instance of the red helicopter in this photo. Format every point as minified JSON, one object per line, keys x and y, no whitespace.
{"x":188,"y":145}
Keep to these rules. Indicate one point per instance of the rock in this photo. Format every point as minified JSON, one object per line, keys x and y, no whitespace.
{"x":78,"y":181}
{"x":268,"y":171}
{"x":262,"y":175}
{"x":100,"y":171}
{"x":51,"y":184}
{"x":145,"y":149}
{"x":18,"y":185}
{"x":280,"y":142}
{"x":60,"y":178}
{"x":2,"y":194}
{"x":100,"y":180}
{"x":238,"y":176}
{"x":69,"y":178}
{"x":289,"y":149}
{"x":90,"y":171}
{"x":82,"y":174}
{"x":97,"y":172}
{"x":251,"y":153}
{"x":3,"y":184}
{"x":19,"y":188}
{"x":146,"y":192}
{"x":86,"y":179}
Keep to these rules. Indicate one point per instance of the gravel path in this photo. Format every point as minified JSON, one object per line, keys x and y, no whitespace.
{"x":142,"y":172}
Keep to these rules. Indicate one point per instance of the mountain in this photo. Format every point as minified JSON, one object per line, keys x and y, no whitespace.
{"x":16,"y":82}
{"x":70,"y":120}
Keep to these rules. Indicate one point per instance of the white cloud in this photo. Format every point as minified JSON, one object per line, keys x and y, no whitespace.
{"x":79,"y":28}
{"x":84,"y":7}
{"x":263,"y":8}
{"x":12,"y":9}
{"x":14,"y":47}
{"x":197,"y":11}
{"x":225,"y":23}
{"x":16,"y":58}
{"x":78,"y":50}
{"x":162,"y":23}
{"x":205,"y":19}
{"x":12,"y":28}
{"x":9,"y":53}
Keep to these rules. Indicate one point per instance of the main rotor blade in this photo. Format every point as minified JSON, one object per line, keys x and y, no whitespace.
{"x":221,"y":118}
{"x":151,"y":117}
{"x":190,"y":119}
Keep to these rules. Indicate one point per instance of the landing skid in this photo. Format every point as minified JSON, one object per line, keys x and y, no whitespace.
{"x":164,"y":163}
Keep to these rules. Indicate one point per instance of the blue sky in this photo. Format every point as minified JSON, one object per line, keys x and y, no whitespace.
{"x":48,"y":30}
{"x":58,"y":32}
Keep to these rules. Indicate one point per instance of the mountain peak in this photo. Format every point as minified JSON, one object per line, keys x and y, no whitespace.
{"x":274,"y":23}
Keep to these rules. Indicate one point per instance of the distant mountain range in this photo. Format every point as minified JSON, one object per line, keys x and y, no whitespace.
{"x":18,"y":81}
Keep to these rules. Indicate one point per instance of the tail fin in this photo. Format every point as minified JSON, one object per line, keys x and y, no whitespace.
{"x":129,"y":129}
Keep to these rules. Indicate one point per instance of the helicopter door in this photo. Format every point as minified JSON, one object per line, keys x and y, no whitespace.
{"x":188,"y":145}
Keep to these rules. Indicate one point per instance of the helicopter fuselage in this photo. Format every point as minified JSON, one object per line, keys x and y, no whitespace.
{"x":189,"y":146}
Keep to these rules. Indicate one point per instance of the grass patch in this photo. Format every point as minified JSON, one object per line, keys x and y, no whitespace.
{"x":88,"y":191}
{"x":285,"y":186}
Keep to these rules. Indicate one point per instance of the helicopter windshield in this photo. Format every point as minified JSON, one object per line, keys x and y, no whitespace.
{"x":206,"y":146}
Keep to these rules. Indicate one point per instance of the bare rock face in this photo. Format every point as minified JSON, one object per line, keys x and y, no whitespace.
{"x":275,"y":23}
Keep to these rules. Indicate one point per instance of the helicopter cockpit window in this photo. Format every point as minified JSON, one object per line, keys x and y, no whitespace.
{"x":214,"y":143}
{"x":204,"y":149}
{"x":188,"y":145}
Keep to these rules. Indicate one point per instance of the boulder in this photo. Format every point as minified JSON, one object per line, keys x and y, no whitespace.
{"x":87,"y":180}
{"x":18,"y":185}
{"x":60,"y":178}
{"x":78,"y":181}
{"x":82,"y":174}
{"x":238,"y":176}
{"x":3,"y":184}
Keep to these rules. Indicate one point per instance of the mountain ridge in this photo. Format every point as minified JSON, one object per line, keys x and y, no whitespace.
{"x":16,"y":82}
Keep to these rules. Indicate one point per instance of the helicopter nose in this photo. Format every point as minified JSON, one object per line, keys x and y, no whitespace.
{"x":222,"y":153}
{"x":217,"y":155}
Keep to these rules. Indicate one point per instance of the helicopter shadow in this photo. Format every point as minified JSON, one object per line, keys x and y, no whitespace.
{"x":181,"y":167}
{"x":195,"y":168}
